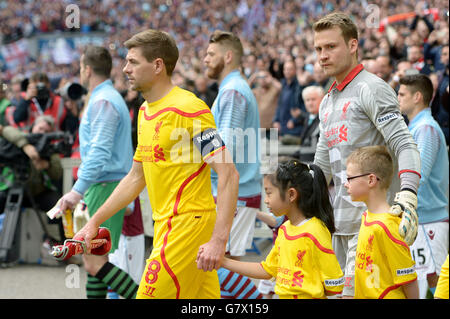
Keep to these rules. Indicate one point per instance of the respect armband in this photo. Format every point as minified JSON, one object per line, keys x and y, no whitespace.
{"x":208,"y":142}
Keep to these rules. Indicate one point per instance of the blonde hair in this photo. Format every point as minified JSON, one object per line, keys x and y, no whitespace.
{"x":376,"y":160}
{"x":340,"y":20}
{"x":156,"y":44}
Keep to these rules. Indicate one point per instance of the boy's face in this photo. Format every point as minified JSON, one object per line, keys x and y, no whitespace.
{"x":357,"y":187}
{"x":273,"y":199}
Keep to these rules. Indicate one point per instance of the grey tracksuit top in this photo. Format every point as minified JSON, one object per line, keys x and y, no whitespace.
{"x":363,"y":110}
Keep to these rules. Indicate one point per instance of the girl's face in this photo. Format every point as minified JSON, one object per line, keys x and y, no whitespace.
{"x":273,"y":199}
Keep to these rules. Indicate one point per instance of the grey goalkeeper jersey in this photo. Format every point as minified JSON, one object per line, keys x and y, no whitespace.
{"x":363,"y":110}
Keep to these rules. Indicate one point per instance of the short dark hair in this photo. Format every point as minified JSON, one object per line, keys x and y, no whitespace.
{"x":156,"y":44}
{"x":99,"y":59}
{"x":39,"y":77}
{"x":419,"y":83}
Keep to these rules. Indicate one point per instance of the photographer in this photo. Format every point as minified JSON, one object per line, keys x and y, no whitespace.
{"x":37,"y":99}
{"x":45,"y":175}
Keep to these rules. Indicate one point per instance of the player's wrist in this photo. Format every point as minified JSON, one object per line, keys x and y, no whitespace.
{"x":219,"y":240}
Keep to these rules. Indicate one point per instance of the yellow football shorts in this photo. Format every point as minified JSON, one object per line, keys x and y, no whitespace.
{"x":171,"y":271}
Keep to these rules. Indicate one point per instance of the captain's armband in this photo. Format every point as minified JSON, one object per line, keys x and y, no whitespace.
{"x":208,"y":143}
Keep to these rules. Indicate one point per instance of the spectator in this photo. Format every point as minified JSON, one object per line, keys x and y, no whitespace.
{"x":420,"y":23}
{"x":204,"y":91}
{"x":288,"y":103}
{"x":304,"y":76}
{"x":267,"y":92}
{"x":434,"y":48}
{"x":320,"y":78}
{"x":416,"y":57}
{"x":44,"y":180}
{"x":438,"y":108}
{"x":16,"y":89}
{"x":369,"y":65}
{"x":384,"y":67}
{"x":312,"y":95}
{"x":400,"y":71}
{"x":37,"y":100}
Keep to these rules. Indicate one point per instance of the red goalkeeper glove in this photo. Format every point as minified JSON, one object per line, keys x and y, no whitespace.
{"x":100,"y":245}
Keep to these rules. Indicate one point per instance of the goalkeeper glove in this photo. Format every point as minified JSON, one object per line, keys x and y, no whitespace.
{"x":405,"y":204}
{"x":100,"y":246}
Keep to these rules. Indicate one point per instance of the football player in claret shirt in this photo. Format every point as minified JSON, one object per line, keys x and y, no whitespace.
{"x":384,"y":267}
{"x":302,"y":259}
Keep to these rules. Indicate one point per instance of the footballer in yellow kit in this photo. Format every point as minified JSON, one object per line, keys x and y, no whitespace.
{"x":176,"y":134}
{"x":303,"y":262}
{"x":383,"y":260}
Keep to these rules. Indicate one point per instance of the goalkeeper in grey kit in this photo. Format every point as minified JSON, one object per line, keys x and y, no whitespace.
{"x":360,"y":109}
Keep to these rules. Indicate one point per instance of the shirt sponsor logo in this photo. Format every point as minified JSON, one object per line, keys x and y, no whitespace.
{"x":152,"y":153}
{"x":208,"y":141}
{"x":387,"y":117}
{"x":208,"y":135}
{"x":334,"y":282}
{"x":341,"y":132}
{"x":405,"y":271}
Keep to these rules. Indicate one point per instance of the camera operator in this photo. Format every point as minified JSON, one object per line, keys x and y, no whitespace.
{"x":37,"y":99}
{"x":4,"y":103}
{"x":44,"y":181}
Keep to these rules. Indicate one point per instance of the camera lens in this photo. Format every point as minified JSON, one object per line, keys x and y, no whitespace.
{"x":42,"y":92}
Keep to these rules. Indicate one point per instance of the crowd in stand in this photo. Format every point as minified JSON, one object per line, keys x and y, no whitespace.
{"x":276,"y":35}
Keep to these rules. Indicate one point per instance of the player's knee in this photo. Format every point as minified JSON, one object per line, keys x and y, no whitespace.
{"x":93,"y":264}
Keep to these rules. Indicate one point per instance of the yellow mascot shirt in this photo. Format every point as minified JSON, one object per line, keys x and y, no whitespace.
{"x":303,"y":261}
{"x":383,"y":260}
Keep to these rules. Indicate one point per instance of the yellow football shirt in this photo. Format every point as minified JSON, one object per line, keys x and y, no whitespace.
{"x":383,"y":260}
{"x":175,"y":135}
{"x":303,"y":262}
{"x":442,"y":285}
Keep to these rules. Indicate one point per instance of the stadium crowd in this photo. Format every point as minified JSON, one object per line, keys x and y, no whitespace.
{"x":272,"y":32}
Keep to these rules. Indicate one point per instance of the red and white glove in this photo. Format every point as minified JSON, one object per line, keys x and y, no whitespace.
{"x":100,"y":246}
